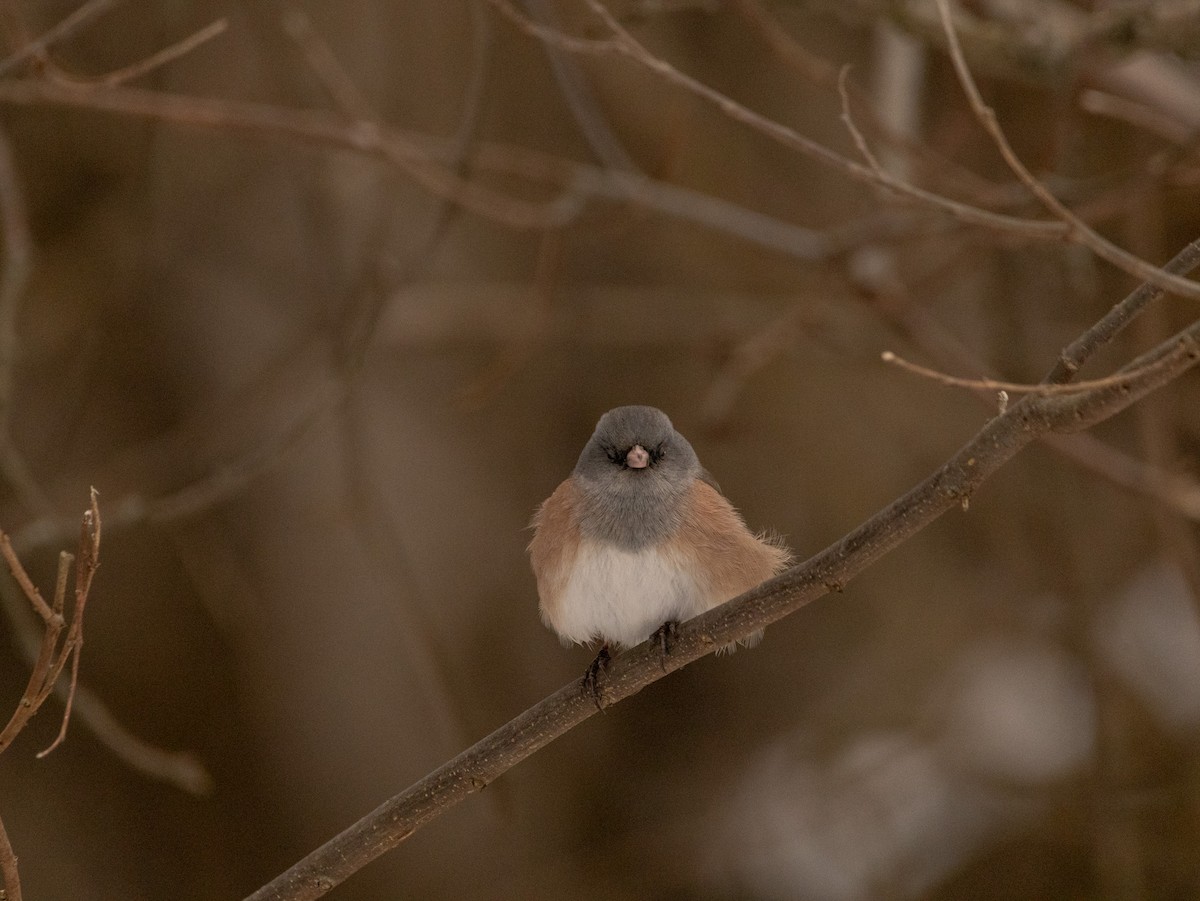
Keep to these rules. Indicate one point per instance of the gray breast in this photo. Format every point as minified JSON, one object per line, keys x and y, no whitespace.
{"x":631,"y":509}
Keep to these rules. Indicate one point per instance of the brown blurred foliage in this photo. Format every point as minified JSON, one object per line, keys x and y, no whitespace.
{"x":320,"y":392}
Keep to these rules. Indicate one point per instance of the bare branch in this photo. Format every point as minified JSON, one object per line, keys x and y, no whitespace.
{"x":8,"y":867}
{"x":86,"y":563}
{"x":166,"y":55}
{"x":69,"y":26}
{"x":578,"y":182}
{"x":51,"y":658}
{"x":1044,"y":42}
{"x":857,"y":136}
{"x":1069,"y":227}
{"x":324,"y":65}
{"x":949,"y":487}
{"x":22,"y":578}
{"x":578,"y":94}
{"x":39,"y":686}
{"x":625,"y":44}
{"x":1173,"y":490}
{"x":311,"y":126}
{"x":1078,"y":230}
{"x":993,"y":385}
{"x":1139,"y":115}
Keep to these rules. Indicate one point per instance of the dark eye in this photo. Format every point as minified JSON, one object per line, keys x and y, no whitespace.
{"x":656,"y":454}
{"x":614,"y":455}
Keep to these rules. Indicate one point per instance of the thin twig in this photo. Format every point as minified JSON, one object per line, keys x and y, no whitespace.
{"x":590,"y":46}
{"x":72,"y":24}
{"x":324,"y":64}
{"x":625,"y":44}
{"x":40,"y":682}
{"x":949,"y":487}
{"x":749,"y":357}
{"x":579,"y":95}
{"x":311,"y":126}
{"x":812,"y":67}
{"x":224,"y":482}
{"x":1012,"y":387}
{"x":166,"y":55}
{"x":38,"y":687}
{"x":51,"y":658}
{"x":176,"y":768}
{"x":1078,"y":230}
{"x":848,"y":120}
{"x":179,"y":769}
{"x":86,"y":562}
{"x":1139,"y":115}
{"x":825,"y":74}
{"x":1173,"y":490}
{"x":76,"y":647}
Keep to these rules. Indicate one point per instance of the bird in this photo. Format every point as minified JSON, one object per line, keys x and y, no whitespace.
{"x":639,"y":538}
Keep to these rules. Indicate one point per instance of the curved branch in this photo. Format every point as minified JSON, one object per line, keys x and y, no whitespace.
{"x":951,"y":485}
{"x":1079,"y":230}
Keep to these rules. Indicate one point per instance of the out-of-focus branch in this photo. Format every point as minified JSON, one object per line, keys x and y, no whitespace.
{"x":167,"y":55}
{"x":1068,"y":227}
{"x":951,"y":485}
{"x":1040,"y":41}
{"x":1078,"y":230}
{"x":357,"y":331}
{"x":577,"y":183}
{"x":72,"y":24}
{"x":310,"y":126}
{"x":1139,"y":115}
{"x":18,"y":266}
{"x":38,"y":49}
{"x":579,"y":96}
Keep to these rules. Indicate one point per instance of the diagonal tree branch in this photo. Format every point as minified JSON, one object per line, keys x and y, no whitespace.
{"x":8,"y":868}
{"x":951,"y":485}
{"x":72,"y":24}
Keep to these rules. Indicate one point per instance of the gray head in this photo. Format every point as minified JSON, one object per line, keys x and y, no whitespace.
{"x":632,"y":476}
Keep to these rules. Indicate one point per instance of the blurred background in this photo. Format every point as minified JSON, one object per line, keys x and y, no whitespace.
{"x":321,"y":373}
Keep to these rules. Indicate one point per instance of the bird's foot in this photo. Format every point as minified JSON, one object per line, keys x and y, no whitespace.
{"x":592,"y":678}
{"x":665,"y":636}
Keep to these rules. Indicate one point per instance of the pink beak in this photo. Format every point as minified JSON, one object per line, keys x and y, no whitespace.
{"x":637,"y":458}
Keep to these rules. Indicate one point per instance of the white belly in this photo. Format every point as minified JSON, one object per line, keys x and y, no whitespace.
{"x":621,"y":597}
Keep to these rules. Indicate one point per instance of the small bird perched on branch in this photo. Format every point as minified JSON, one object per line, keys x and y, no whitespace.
{"x":638,"y":538}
